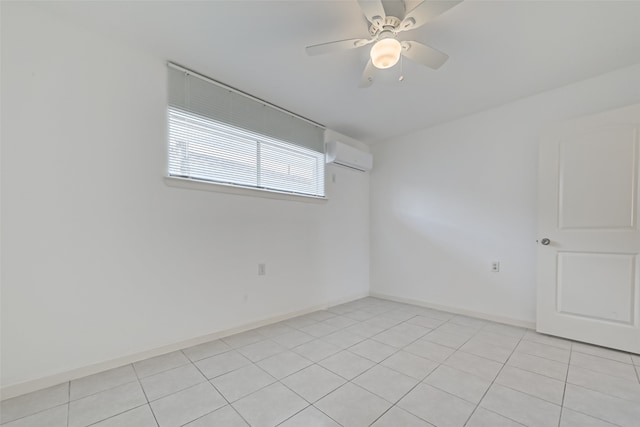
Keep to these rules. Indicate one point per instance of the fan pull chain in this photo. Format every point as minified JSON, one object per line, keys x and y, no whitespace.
{"x":401,"y":78}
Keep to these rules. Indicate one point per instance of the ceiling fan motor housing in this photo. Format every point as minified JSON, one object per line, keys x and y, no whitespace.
{"x":390,"y":23}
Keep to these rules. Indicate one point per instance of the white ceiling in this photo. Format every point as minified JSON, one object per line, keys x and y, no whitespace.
{"x":499,"y":51}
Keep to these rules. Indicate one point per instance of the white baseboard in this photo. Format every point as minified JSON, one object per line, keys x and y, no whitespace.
{"x":486,"y":316}
{"x":18,"y":389}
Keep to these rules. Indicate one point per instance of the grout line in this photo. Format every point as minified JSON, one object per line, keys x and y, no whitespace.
{"x":130,"y":381}
{"x":145,"y":396}
{"x":543,"y":357}
{"x":394,"y":404}
{"x":39,"y":412}
{"x":421,"y":380}
{"x":228,"y":404}
{"x":221,"y":395}
{"x":492,"y":383}
{"x":577,"y":366}
{"x":119,"y":413}
{"x":503,"y":416}
{"x":564,"y":389}
{"x":538,"y":373}
{"x":596,"y":418}
{"x":347,"y":381}
{"x":604,"y":393}
{"x":68,"y":403}
{"x":529,"y":394}
{"x":548,"y":345}
{"x":606,"y":359}
{"x":310,"y":404}
{"x":377,"y":364}
{"x":294,"y":414}
{"x":254,"y":391}
{"x":606,"y":374}
{"x":237,"y":412}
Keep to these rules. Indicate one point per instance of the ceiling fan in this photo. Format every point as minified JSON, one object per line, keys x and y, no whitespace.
{"x":384,"y":31}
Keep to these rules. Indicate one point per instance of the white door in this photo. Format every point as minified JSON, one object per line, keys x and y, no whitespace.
{"x":588,"y":235}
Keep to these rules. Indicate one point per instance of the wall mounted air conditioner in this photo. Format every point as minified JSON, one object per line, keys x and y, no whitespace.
{"x":342,"y":154}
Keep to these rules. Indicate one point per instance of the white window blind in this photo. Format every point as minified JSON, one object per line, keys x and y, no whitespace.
{"x":222,"y":136}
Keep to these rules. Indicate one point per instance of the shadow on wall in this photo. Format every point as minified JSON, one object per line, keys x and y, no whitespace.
{"x":433,"y":253}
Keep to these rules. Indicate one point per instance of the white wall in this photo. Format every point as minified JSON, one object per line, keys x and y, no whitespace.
{"x":449,"y":200}
{"x":100,"y":258}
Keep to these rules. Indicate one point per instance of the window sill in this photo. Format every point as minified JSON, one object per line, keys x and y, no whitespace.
{"x":193,"y":184}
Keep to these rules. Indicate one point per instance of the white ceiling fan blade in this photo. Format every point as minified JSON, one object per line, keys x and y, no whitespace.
{"x":373,"y":10}
{"x":425,"y":12}
{"x":368,"y":75}
{"x":424,"y":55}
{"x":320,"y":49}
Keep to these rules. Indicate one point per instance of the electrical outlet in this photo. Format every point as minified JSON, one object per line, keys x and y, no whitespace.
{"x":495,"y":266}
{"x":262,"y":269}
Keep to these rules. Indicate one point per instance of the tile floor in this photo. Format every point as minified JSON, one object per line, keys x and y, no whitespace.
{"x":369,"y":362}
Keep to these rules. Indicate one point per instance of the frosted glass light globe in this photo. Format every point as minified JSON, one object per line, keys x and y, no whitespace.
{"x":385,"y":53}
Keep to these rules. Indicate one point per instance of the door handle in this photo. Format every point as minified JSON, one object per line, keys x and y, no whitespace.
{"x":545,"y":241}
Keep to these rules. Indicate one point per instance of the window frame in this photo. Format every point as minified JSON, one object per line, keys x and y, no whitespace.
{"x":187,"y":182}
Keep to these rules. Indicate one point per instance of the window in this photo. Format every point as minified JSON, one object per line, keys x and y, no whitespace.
{"x":221,"y":136}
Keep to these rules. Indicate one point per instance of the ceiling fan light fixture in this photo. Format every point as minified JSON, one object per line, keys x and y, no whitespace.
{"x":385,"y":53}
